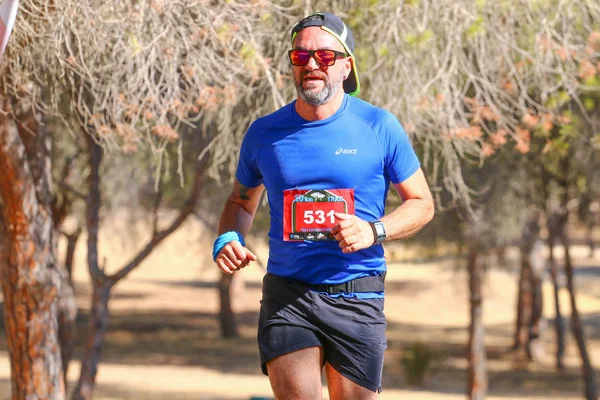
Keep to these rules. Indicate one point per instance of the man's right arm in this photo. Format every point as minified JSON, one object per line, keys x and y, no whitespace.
{"x":238,"y":215}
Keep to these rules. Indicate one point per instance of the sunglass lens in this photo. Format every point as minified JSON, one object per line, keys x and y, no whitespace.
{"x":299,"y":57}
{"x":325,"y":57}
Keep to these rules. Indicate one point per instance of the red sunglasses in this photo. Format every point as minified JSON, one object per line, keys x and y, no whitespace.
{"x":325,"y":58}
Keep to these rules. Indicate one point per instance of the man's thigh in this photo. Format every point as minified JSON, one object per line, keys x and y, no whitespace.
{"x":297,"y":375}
{"x":342,"y":388}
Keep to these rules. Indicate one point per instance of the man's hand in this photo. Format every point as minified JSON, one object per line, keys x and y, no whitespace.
{"x":233,"y":256}
{"x":352,"y":232}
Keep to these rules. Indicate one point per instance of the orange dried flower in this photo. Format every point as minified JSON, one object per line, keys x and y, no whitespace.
{"x":148,"y":115}
{"x":522,"y":147}
{"x":530,"y":120}
{"x":594,"y":40}
{"x":104,"y":130}
{"x":498,"y":138}
{"x":523,"y":134}
{"x":562,"y":53}
{"x":586,"y":69}
{"x":158,"y":6}
{"x":471,"y":133}
{"x":547,"y":122}
{"x":488,"y":150}
{"x":188,"y":71}
{"x":165,"y":131}
{"x":489,"y":115}
{"x":129,"y":148}
{"x":564,"y":119}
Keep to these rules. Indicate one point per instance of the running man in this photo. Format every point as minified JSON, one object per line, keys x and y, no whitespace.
{"x":327,"y":160}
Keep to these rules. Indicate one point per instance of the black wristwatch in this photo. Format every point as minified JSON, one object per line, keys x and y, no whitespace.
{"x":378,"y":231}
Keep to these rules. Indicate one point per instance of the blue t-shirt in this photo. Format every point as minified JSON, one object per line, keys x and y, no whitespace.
{"x":361,"y":147}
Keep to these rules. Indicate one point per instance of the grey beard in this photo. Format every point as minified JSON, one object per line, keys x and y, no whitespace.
{"x":322,"y":97}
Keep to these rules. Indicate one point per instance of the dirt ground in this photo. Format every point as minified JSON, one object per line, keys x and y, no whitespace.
{"x":163,"y":340}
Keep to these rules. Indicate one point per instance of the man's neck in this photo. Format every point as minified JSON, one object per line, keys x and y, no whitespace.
{"x":318,"y":113}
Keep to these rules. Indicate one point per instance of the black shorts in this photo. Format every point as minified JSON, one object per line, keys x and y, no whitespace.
{"x":351,"y":331}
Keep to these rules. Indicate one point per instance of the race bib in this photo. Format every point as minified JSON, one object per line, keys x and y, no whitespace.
{"x":309,"y":214}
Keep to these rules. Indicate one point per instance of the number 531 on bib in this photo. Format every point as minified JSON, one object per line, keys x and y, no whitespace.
{"x":309,"y":214}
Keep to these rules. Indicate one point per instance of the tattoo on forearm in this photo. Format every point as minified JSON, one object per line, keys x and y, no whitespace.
{"x":243,"y":194}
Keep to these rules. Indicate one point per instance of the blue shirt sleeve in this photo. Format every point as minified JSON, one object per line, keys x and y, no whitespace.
{"x":247,"y":172}
{"x":400,"y":160}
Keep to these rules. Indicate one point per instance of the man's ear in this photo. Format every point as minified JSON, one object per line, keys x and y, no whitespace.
{"x":349,"y":68}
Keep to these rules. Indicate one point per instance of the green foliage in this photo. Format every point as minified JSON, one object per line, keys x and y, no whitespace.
{"x":541,"y":132}
{"x":571,"y":130}
{"x":362,"y":58}
{"x":416,"y":362}
{"x":135,"y":44}
{"x":382,"y":50}
{"x":369,"y":3}
{"x":558,"y":99}
{"x":589,"y":103}
{"x":247,"y":52}
{"x":360,"y":15}
{"x":418,"y":39}
{"x":476,"y":28}
{"x":581,"y":184}
{"x":558,"y":149}
{"x":593,"y":81}
{"x":267,"y":18}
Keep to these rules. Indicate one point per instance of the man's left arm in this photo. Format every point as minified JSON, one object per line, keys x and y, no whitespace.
{"x":414,"y":213}
{"x":416,"y":210}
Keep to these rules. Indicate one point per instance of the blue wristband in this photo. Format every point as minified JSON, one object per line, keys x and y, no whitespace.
{"x":225,"y":238}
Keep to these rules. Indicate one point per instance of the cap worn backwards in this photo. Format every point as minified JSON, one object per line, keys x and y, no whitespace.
{"x":336,"y":27}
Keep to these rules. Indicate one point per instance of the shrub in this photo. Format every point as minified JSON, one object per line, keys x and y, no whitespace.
{"x":416,"y":360}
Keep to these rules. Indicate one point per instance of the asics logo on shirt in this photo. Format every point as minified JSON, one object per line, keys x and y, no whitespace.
{"x":345,"y":151}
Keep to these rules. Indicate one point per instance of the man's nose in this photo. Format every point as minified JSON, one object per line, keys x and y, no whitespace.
{"x":312,"y":64}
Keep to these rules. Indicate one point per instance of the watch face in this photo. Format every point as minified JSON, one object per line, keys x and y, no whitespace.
{"x":379,"y":229}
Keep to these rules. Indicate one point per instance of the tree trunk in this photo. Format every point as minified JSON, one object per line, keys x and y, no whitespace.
{"x":29,"y":275}
{"x":226,"y":314}
{"x":477,"y":379}
{"x":70,"y":253}
{"x":537,"y":266}
{"x":559,"y":322}
{"x":67,"y":312}
{"x":102,"y":283}
{"x":67,"y":316}
{"x":97,"y":327}
{"x":532,"y":266}
{"x":523,"y":307}
{"x":591,"y":390}
{"x":590,"y":236}
{"x":98,"y":319}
